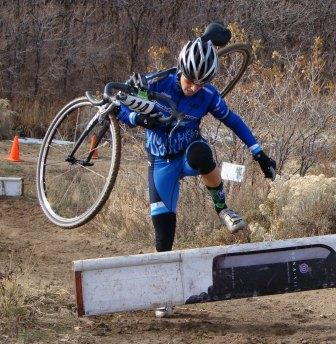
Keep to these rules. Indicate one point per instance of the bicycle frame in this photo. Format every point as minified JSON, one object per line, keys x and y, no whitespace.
{"x":102,"y":117}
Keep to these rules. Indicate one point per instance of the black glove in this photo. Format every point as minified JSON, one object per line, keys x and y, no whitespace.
{"x":267,"y":164}
{"x":137,"y":80}
{"x":148,"y":121}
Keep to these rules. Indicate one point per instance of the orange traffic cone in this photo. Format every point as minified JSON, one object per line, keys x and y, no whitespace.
{"x":93,"y":144}
{"x":14,"y":154}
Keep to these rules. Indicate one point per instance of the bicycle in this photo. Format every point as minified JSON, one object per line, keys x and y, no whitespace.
{"x":73,"y":183}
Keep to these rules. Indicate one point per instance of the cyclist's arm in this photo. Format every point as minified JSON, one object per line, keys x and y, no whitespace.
{"x":222,"y":112}
{"x":126,"y":116}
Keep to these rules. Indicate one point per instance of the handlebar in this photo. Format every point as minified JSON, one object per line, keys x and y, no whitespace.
{"x":93,"y":100}
{"x":107,"y":95}
{"x":125,"y":90}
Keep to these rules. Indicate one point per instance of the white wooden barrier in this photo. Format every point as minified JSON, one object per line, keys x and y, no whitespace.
{"x":11,"y":186}
{"x":146,"y":281}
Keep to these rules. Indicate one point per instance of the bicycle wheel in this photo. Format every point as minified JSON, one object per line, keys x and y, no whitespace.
{"x":72,"y":193}
{"x":233,"y":61}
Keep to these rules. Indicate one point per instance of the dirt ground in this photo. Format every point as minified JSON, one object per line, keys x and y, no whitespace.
{"x":28,"y":240}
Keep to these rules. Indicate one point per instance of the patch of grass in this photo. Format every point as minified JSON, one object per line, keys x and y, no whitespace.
{"x":11,"y":169}
{"x":34,"y":335}
{"x":17,"y":311}
{"x":32,"y":312}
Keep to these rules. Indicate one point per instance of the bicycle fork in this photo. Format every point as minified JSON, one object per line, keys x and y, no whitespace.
{"x":105,"y":126}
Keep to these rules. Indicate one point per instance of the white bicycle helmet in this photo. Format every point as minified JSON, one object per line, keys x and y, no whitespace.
{"x":198,"y":61}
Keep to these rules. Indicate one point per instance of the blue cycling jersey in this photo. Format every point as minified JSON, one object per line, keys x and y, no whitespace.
{"x":206,"y":100}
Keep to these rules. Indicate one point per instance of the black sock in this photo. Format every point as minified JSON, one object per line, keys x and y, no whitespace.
{"x":164,"y":225}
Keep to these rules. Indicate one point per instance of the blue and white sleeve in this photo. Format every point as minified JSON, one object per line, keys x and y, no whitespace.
{"x":222,"y":112}
{"x":126,"y":116}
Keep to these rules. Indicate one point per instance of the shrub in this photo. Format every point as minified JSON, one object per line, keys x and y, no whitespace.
{"x":6,"y":119}
{"x":298,"y":207}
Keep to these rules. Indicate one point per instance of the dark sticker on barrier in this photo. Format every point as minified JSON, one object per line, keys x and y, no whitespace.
{"x":267,"y":272}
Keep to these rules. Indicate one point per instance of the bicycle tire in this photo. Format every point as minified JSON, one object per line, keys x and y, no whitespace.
{"x":245,"y":51}
{"x":110,"y":163}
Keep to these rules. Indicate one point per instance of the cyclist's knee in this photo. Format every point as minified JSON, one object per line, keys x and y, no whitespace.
{"x":200,"y":157}
{"x":164,"y":225}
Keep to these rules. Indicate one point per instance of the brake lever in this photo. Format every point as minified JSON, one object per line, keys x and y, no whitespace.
{"x":138,"y":81}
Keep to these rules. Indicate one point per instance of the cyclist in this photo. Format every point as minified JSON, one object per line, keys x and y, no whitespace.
{"x":186,"y":152}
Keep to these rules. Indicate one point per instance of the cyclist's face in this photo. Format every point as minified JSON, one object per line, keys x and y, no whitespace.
{"x":188,"y":87}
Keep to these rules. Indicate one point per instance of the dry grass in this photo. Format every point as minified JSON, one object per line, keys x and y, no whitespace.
{"x":14,"y":304}
{"x":125,"y":216}
{"x":31,"y":312}
{"x":18,"y":311}
{"x":7,"y":117}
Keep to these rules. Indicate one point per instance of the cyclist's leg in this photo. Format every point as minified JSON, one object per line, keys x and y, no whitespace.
{"x":199,"y":157}
{"x":163,"y":182}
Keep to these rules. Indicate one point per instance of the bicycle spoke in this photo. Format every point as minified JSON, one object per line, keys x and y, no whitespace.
{"x":62,"y":174}
{"x":57,"y":149}
{"x":94,"y":186}
{"x":84,"y":154}
{"x":56,"y":163}
{"x":67,"y":190}
{"x":93,"y":183}
{"x":62,"y":139}
{"x":96,"y":173}
{"x":75,"y":134}
{"x":77,"y":203}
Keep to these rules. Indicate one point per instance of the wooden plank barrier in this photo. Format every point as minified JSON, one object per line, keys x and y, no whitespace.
{"x":147,"y":281}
